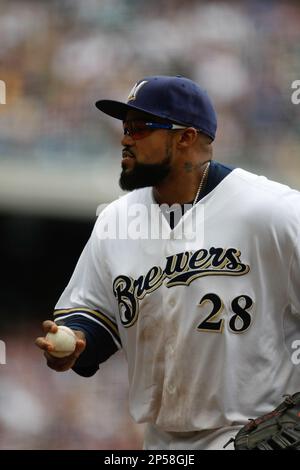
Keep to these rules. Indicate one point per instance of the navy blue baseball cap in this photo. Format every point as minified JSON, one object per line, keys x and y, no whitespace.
{"x":176,"y":99}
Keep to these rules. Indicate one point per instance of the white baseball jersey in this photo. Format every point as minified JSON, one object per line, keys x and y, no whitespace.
{"x":208,"y":325}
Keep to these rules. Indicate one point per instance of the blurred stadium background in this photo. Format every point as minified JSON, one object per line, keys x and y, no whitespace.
{"x":60,"y":158}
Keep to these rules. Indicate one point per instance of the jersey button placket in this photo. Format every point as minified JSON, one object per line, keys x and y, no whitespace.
{"x":170,"y":347}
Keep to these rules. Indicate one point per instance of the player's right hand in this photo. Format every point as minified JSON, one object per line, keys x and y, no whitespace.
{"x":60,"y":364}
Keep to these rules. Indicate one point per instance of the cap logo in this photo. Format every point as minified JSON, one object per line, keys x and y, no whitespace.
{"x":135,"y":90}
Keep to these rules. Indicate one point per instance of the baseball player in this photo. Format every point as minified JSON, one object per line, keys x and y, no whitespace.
{"x":204,"y":303}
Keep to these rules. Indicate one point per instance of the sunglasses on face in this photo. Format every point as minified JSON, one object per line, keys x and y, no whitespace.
{"x":140,"y":129}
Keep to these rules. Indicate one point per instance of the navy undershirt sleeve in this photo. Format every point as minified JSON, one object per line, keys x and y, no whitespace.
{"x":99,"y":344}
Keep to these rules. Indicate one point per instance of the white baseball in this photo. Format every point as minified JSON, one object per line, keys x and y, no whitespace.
{"x":63,"y":341}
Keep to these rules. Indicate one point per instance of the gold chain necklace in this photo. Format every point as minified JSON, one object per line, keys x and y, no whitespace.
{"x":201,"y":185}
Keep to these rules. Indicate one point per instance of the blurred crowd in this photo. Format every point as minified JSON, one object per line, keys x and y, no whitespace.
{"x":58,"y":57}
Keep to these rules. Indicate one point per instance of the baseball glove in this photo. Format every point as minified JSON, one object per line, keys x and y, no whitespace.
{"x":277,"y":430}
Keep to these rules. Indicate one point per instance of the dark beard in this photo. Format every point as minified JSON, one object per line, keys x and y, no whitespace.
{"x":144,"y":174}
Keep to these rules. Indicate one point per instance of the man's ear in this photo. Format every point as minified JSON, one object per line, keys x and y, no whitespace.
{"x":188,"y":137}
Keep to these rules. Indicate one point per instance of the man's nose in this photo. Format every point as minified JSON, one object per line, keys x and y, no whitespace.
{"x":127,"y":141}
